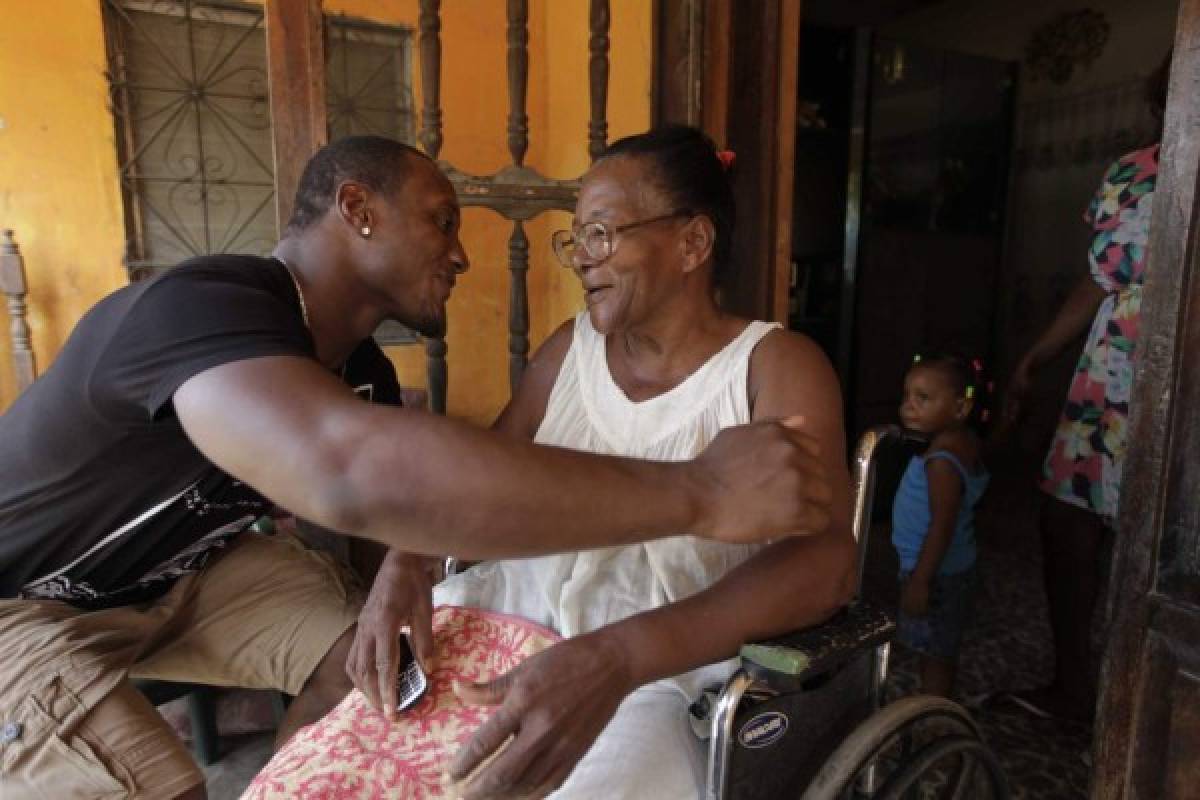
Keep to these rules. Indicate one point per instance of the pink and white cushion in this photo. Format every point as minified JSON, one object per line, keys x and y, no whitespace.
{"x":354,"y":753}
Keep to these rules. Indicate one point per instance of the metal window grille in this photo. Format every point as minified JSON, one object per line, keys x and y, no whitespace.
{"x":188,"y":86}
{"x":368,"y":84}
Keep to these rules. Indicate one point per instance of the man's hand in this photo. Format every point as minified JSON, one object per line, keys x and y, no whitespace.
{"x":914,"y":597}
{"x":763,"y":480}
{"x":553,"y":705}
{"x":401,"y":597}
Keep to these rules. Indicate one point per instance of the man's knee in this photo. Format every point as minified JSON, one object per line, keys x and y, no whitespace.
{"x":329,"y":679}
{"x":324,"y":689}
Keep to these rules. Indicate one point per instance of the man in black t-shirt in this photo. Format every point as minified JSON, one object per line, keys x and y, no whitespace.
{"x":139,"y":523}
{"x":181,"y":409}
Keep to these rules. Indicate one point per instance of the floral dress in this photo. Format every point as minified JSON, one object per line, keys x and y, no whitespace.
{"x":1084,"y":464}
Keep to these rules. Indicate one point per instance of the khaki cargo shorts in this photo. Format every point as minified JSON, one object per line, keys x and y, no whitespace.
{"x":261,"y":616}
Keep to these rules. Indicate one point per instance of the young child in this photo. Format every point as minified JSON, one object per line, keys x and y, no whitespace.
{"x":933,"y":515}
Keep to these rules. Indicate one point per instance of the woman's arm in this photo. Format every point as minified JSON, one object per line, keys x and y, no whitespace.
{"x":524,"y":412}
{"x":790,"y":584}
{"x":787,"y":585}
{"x":1072,"y":320}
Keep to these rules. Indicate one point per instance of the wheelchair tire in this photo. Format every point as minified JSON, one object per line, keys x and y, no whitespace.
{"x":839,"y":776}
{"x":904,"y":779}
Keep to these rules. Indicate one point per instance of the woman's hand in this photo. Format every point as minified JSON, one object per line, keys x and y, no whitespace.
{"x":914,"y":597}
{"x":1073,"y":319}
{"x":1017,"y":393}
{"x":401,"y":597}
{"x":553,"y":705}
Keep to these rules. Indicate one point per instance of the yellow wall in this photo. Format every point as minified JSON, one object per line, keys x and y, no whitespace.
{"x":58,"y":169}
{"x":59,"y":188}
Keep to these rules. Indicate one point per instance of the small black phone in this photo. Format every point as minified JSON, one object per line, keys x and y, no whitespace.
{"x":411,"y":683}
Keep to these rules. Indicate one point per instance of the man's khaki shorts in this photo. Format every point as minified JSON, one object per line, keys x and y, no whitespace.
{"x":261,"y":616}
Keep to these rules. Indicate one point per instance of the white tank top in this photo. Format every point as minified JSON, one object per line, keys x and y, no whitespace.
{"x":574,"y":593}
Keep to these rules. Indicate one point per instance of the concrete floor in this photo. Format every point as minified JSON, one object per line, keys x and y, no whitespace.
{"x":242,"y":757}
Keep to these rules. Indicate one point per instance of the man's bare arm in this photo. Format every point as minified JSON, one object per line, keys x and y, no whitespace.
{"x":427,"y":484}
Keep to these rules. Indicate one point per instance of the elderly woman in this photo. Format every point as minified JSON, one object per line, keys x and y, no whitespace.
{"x":652,"y":369}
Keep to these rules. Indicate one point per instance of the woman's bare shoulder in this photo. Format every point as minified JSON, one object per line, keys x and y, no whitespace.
{"x":524,"y":412}
{"x":789,"y":361}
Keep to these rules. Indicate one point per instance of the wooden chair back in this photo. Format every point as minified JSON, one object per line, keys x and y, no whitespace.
{"x":14,"y":286}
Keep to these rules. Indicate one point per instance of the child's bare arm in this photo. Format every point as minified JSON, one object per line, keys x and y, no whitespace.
{"x":945,"y":498}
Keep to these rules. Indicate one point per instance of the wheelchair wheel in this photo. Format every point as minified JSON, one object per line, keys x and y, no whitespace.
{"x":916,"y":747}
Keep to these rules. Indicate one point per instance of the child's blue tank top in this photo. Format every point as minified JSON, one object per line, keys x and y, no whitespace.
{"x":911,"y":515}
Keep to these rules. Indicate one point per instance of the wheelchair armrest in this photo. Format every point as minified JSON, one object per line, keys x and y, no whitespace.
{"x":785,"y":663}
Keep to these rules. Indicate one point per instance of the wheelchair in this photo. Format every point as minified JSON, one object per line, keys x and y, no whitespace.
{"x":803,"y":717}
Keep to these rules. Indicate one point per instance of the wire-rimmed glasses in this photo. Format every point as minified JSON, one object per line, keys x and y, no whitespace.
{"x":596,"y":240}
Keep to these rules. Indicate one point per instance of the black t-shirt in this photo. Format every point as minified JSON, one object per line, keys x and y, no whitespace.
{"x":103,"y":498}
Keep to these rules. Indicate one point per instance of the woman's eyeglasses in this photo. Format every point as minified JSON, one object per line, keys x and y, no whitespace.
{"x":597,"y":241}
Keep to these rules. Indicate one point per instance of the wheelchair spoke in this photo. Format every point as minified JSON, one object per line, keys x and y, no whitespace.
{"x":891,"y":740}
{"x":964,"y":778}
{"x":906,"y":780}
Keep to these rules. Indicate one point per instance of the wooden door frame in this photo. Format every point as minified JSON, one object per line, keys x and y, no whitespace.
{"x":743,"y":95}
{"x":296,"y":85}
{"x":1153,"y":631}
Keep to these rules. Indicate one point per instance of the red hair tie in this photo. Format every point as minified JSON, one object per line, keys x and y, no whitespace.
{"x":726,"y":157}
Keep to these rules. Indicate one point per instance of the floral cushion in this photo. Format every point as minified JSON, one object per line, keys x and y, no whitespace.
{"x":354,"y":752}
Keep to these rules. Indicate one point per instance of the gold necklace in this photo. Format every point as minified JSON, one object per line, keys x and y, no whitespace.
{"x":299,"y":291}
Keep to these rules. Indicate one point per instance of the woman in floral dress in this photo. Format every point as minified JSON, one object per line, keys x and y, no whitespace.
{"x":1082,"y":472}
{"x":1083,"y":467}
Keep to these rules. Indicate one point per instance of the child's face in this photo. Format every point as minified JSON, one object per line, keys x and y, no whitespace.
{"x":930,"y":403}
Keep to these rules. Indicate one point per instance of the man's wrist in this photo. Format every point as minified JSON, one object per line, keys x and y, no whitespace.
{"x":697,"y":497}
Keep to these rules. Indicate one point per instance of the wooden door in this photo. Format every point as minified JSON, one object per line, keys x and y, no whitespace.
{"x":1148,"y":727}
{"x":931,"y":235}
{"x":731,"y":69}
{"x":764,"y":43}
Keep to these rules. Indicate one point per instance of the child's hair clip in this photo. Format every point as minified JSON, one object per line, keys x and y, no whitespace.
{"x":727,"y":158}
